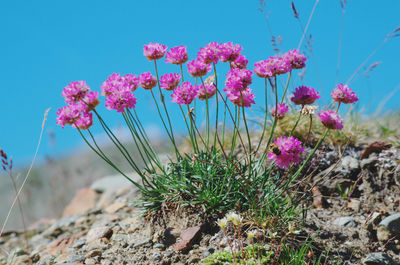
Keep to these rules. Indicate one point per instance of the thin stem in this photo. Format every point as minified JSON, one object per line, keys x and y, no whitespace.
{"x":207,"y":113}
{"x":297,"y":121}
{"x":265,"y":117}
{"x":194,"y":125}
{"x":216,"y":100}
{"x":287,"y":85}
{"x":19,"y":206}
{"x":308,"y":24}
{"x":309,"y":131}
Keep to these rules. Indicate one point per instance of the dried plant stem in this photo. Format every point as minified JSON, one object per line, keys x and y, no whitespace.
{"x":308,"y":24}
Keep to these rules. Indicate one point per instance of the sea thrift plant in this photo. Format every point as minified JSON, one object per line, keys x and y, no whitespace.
{"x":147,"y":80}
{"x":177,"y":55}
{"x":331,"y":120}
{"x":304,"y":95}
{"x":279,"y":111}
{"x":343,"y":94}
{"x":154,"y":51}
{"x":228,"y":163}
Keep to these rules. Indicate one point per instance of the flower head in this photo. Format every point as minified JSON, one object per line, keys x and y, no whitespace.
{"x":69,"y":114}
{"x":120,"y":100}
{"x":84,"y":122}
{"x":113,"y":82}
{"x":170,"y":81}
{"x":331,"y":120}
{"x":197,"y":68}
{"x":240,"y":62}
{"x":184,"y":94}
{"x":210,"y":53}
{"x":154,"y":51}
{"x":251,"y":234}
{"x":238,"y":79}
{"x":304,"y":95}
{"x":282,"y":110}
{"x":132,"y":81}
{"x":241,"y":98}
{"x":177,"y":55}
{"x":75,"y":91}
{"x":229,"y":51}
{"x":286,"y":151}
{"x":344,"y":94}
{"x":235,"y":218}
{"x":147,"y":80}
{"x":272,"y":67}
{"x":222,"y":222}
{"x":90,"y":102}
{"x":308,"y":110}
{"x":296,"y":59}
{"x":206,"y":93}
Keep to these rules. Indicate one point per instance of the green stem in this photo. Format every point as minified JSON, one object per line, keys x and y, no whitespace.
{"x":287,"y":85}
{"x":265,"y":117}
{"x":207,"y":113}
{"x":216,"y":100}
{"x":297,"y":121}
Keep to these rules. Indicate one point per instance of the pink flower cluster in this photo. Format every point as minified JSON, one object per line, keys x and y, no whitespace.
{"x":287,"y":151}
{"x":154,"y":51}
{"x":241,"y":98}
{"x":118,"y":91}
{"x":304,"y":95}
{"x":198,"y":68}
{"x":331,"y":120}
{"x":238,"y":79}
{"x":80,"y":101}
{"x":170,"y":81}
{"x":280,"y":111}
{"x":229,"y":52}
{"x":177,"y":55}
{"x":278,"y":65}
{"x":210,"y":53}
{"x":207,"y":92}
{"x":147,"y":80}
{"x":343,"y":94}
{"x":184,"y":94}
{"x":240,"y":62}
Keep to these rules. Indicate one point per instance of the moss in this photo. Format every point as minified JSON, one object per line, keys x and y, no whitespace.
{"x":251,"y":255}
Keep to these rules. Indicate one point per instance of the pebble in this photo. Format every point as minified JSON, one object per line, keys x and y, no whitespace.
{"x":98,"y":233}
{"x":156,"y":256}
{"x":346,"y":221}
{"x":208,"y":252}
{"x":142,"y":242}
{"x":379,"y":258}
{"x":159,"y":245}
{"x":75,"y":258}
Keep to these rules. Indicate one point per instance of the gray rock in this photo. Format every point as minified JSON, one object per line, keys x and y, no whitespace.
{"x":75,"y":258}
{"x":113,"y":183}
{"x":391,"y":223}
{"x":142,"y":242}
{"x":346,"y":221}
{"x":208,"y":252}
{"x":156,"y":256}
{"x":79,"y":243}
{"x":98,"y":233}
{"x":159,"y":245}
{"x":379,"y":258}
{"x":350,"y":163}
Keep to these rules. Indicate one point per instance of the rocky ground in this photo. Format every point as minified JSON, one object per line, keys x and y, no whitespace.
{"x":358,"y":223}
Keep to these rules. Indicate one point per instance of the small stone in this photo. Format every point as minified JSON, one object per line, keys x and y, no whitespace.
{"x":391,"y":223}
{"x":84,"y":200}
{"x":90,"y":261}
{"x":159,"y":245}
{"x":354,"y":204}
{"x":98,"y":233}
{"x":194,"y":260}
{"x":156,"y":256}
{"x":113,"y":183}
{"x":59,"y":246}
{"x":94,"y":253}
{"x":379,"y":258}
{"x":208,"y":252}
{"x":78,"y":243}
{"x":115,"y":207}
{"x":346,"y":221}
{"x":142,"y":242}
{"x":75,"y":258}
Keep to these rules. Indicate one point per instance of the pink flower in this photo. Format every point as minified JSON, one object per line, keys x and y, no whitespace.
{"x":197,"y":68}
{"x":90,"y":102}
{"x":208,"y":92}
{"x":84,"y":122}
{"x":229,"y":51}
{"x":304,"y":95}
{"x":240,"y":62}
{"x":286,"y":151}
{"x":170,"y":81}
{"x":238,"y":79}
{"x":154,"y":51}
{"x":113,"y":82}
{"x":210,"y":53}
{"x":120,"y":100}
{"x":147,"y":80}
{"x":241,"y":98}
{"x":282,"y":110}
{"x":68,"y":114}
{"x":296,"y":59}
{"x":331,"y":120}
{"x":75,"y":91}
{"x":132,"y":81}
{"x":272,"y":67}
{"x":177,"y":55}
{"x":343,"y":94}
{"x":184,"y":94}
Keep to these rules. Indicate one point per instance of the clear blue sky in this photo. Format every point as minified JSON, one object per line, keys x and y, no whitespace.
{"x":46,"y":44}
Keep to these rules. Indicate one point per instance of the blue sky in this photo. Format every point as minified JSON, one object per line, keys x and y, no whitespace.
{"x":47,"y":44}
